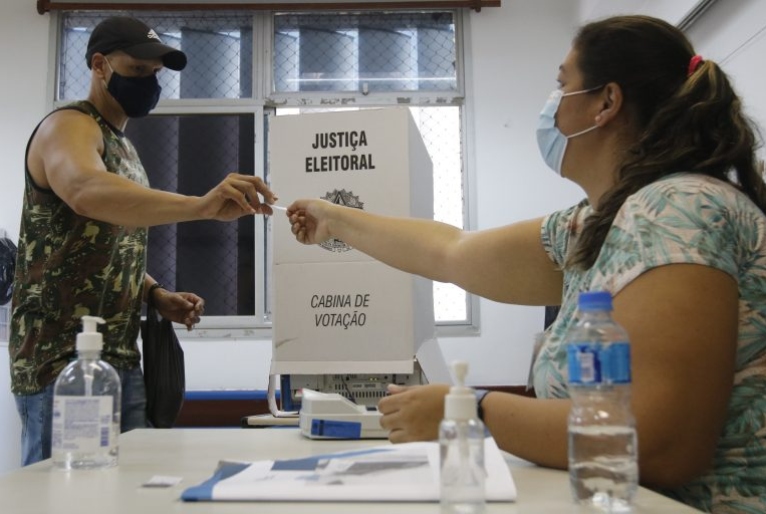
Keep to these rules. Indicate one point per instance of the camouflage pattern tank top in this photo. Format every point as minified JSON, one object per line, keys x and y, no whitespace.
{"x":69,"y":266}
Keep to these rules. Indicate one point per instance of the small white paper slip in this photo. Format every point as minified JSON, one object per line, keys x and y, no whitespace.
{"x":162,"y":481}
{"x":278,"y":208}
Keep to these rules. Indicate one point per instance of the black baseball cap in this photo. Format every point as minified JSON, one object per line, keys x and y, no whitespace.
{"x":136,"y":39}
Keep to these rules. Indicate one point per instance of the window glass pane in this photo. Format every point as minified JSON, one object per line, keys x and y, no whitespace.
{"x":190,"y":155}
{"x":440,"y":128}
{"x":365,"y":52}
{"x":219,"y":47}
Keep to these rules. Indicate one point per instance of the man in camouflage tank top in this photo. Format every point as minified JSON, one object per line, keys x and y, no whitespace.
{"x":83,"y":236}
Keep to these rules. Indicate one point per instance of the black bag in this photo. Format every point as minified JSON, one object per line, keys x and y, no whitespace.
{"x":164,"y":373}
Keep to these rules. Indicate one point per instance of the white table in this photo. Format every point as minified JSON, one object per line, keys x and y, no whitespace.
{"x":194,"y":453}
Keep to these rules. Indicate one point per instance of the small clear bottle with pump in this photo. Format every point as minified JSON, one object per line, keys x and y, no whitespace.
{"x":461,"y":444}
{"x":86,"y":407}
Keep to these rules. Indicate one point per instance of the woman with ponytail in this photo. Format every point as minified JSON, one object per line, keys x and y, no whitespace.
{"x":672,"y":225}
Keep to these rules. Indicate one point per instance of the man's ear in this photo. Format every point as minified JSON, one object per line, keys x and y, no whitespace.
{"x":99,"y":65}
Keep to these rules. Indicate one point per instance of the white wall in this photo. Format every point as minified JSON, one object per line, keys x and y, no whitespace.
{"x":24,"y":36}
{"x":513,"y":54}
{"x":671,"y":11}
{"x":733,"y":35}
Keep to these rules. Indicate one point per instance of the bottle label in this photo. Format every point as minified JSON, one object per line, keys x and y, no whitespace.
{"x":596,"y":363}
{"x":82,"y":424}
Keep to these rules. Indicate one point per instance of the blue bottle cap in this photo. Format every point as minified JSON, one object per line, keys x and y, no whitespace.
{"x":595,"y":301}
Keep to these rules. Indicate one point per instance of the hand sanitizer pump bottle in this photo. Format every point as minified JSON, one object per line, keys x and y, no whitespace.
{"x":461,"y":445}
{"x":86,"y":407}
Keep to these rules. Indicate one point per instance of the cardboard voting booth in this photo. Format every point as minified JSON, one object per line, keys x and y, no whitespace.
{"x":336,"y":310}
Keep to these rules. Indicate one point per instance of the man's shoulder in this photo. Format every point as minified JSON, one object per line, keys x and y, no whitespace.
{"x":67,"y":120}
{"x":75,"y":111}
{"x":62,"y":132}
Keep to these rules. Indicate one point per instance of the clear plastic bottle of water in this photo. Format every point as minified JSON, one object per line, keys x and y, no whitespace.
{"x":86,"y":407}
{"x":603,"y":447}
{"x":461,"y":444}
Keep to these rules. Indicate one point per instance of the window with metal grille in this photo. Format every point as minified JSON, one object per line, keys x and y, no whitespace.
{"x":219,"y":47}
{"x":206,"y":125}
{"x":408,"y":51}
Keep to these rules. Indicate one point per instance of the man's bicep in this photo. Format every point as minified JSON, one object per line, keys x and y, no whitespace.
{"x":69,"y":151}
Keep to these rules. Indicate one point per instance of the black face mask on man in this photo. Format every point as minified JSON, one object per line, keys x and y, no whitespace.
{"x":136,"y":95}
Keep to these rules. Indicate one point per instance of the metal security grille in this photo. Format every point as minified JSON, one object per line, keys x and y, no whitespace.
{"x":365,"y":52}
{"x":220,"y":48}
{"x":190,"y":155}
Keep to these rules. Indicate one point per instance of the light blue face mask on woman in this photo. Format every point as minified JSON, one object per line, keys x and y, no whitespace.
{"x":550,"y":140}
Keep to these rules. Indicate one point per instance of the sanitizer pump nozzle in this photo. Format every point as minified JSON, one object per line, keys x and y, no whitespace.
{"x":90,"y":339}
{"x":460,"y":403}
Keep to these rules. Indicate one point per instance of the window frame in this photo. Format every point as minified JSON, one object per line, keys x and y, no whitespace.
{"x":264,"y":102}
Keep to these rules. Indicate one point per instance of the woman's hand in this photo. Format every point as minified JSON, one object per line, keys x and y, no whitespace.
{"x":413,"y":413}
{"x":183,"y":308}
{"x":309,"y":220}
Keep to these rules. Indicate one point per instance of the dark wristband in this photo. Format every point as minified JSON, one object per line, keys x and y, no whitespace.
{"x":480,"y":394}
{"x":152,"y":287}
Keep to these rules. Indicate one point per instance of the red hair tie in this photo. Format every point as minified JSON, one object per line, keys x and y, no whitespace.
{"x":694,"y":63}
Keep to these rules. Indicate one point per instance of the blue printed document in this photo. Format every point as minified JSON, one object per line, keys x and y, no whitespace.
{"x":397,"y":473}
